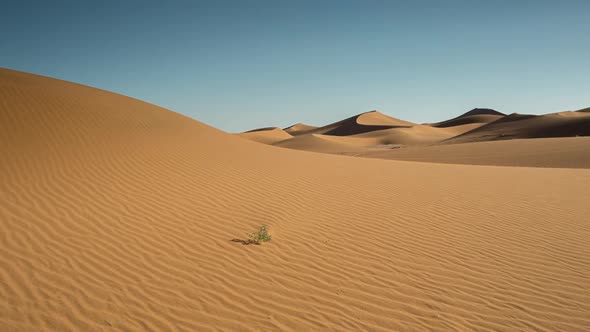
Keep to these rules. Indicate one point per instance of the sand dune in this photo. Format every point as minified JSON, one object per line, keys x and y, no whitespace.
{"x":477,"y":125}
{"x":563,"y":124}
{"x":119,"y":215}
{"x":418,"y":135}
{"x":361,"y":123}
{"x":476,"y":115}
{"x":360,"y":131}
{"x":269,"y":135}
{"x":375,"y":118}
{"x":299,"y":129}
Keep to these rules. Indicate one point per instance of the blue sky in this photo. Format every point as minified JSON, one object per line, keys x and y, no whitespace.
{"x":238,"y":65}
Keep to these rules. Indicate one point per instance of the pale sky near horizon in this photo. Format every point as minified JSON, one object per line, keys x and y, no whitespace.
{"x":240,"y":65}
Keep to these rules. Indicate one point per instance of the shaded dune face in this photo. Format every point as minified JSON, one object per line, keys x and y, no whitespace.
{"x":120,"y":215}
{"x":476,"y":115}
{"x":362,"y":123}
{"x":516,"y":126}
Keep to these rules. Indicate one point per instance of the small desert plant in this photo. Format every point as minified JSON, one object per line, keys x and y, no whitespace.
{"x":260,"y":236}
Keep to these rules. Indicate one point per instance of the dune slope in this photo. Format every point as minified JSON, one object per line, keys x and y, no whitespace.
{"x":299,"y":129}
{"x":476,"y":115}
{"x":564,"y":152}
{"x":513,"y":126}
{"x":266,"y":135}
{"x":117,"y":214}
{"x":364,"y":144}
{"x":361,"y":123}
{"x":327,"y":144}
{"x":416,"y":135}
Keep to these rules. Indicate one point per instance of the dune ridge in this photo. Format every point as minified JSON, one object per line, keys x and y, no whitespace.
{"x":118,"y":214}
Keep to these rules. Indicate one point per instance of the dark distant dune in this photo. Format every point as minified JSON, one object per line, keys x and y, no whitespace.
{"x":476,"y":115}
{"x":513,"y":126}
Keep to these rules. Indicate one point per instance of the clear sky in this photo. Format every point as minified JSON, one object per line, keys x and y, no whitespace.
{"x":239,"y":65}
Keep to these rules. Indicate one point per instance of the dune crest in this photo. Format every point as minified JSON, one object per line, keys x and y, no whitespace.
{"x":376,"y":118}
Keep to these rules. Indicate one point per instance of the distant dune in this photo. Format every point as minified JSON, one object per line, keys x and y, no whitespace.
{"x":326,"y":144}
{"x":361,"y":123}
{"x":376,"y":135}
{"x":418,"y":135}
{"x":476,"y":115}
{"x":120,"y":215}
{"x":563,"y":124}
{"x":299,"y":129}
{"x":269,"y":135}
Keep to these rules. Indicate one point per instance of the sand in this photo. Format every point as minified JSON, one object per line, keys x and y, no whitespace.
{"x":478,"y":137}
{"x":266,"y":135}
{"x":515,"y":126}
{"x":299,"y":129}
{"x":476,"y":115}
{"x":119,"y":215}
{"x":562,"y":152}
{"x":358,"y":124}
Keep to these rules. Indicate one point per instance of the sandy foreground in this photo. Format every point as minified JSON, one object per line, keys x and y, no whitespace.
{"x":119,"y":215}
